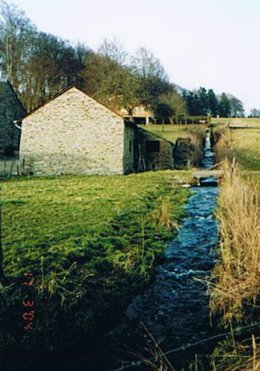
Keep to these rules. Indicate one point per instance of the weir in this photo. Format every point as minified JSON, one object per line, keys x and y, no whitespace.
{"x":175,"y":309}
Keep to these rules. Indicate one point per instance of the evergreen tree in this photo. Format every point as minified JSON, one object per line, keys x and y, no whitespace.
{"x":212,"y":103}
{"x":203,"y":105}
{"x":224,"y":106}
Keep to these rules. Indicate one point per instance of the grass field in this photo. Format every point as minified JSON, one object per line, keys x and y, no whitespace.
{"x":55,"y":215}
{"x":173,"y":132}
{"x":246,"y":144}
{"x":90,"y":242}
{"x":237,"y":121}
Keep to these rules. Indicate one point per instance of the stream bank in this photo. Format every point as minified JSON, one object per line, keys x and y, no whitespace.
{"x":175,"y":308}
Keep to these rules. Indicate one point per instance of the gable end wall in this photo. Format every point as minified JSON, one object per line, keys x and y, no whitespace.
{"x":73,"y":134}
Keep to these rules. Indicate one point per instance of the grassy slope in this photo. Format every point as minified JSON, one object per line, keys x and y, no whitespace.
{"x":236,"y":121}
{"x":91,"y":243}
{"x":169,"y":132}
{"x":173,"y":132}
{"x":246,"y":145}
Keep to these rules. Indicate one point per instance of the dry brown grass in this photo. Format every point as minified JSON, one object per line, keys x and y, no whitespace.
{"x":231,"y":355}
{"x":237,"y":277}
{"x":236,"y":121}
{"x":163,"y":215}
{"x":155,"y":359}
{"x":196,"y":136}
{"x":223,"y":147}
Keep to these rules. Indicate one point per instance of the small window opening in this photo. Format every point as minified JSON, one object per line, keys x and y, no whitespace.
{"x":152,"y":146}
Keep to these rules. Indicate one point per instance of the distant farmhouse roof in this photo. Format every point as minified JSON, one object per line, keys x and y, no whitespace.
{"x":141,"y":114}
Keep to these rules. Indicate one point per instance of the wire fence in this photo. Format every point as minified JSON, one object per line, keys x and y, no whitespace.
{"x":237,"y":330}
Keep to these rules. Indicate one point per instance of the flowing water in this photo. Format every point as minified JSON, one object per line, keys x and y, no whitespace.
{"x":175,"y":308}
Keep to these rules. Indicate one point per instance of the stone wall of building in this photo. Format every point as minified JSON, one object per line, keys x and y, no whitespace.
{"x":73,"y":134}
{"x":156,"y":152}
{"x":10,"y":109}
{"x":129,"y":143}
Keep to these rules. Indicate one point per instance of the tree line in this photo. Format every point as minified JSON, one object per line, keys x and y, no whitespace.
{"x":40,"y":65}
{"x":254,"y":113}
{"x":205,"y":102}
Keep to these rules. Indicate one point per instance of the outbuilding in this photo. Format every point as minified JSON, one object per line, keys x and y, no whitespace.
{"x":75,"y":134}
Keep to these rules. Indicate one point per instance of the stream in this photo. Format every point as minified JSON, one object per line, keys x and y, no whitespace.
{"x":173,"y":312}
{"x":175,"y":308}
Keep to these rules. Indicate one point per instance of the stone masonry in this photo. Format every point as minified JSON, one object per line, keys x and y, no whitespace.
{"x":159,"y":158}
{"x":74,"y":134}
{"x":129,"y":147}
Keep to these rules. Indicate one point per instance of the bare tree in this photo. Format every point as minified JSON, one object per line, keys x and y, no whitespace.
{"x":113,"y":49}
{"x":146,"y":65}
{"x":16,"y":31}
{"x":113,"y":84}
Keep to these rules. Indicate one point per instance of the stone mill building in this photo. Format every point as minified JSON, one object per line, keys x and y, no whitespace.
{"x":75,"y":134}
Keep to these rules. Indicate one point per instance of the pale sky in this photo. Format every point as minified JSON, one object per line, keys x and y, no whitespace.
{"x":209,"y":43}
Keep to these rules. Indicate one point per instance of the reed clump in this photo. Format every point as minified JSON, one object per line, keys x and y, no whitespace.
{"x":163,"y":214}
{"x":236,"y":279}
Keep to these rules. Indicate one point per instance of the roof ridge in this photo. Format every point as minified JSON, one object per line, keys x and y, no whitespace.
{"x":63,"y":92}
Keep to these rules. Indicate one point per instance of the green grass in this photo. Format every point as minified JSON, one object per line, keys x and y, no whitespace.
{"x":91,"y":244}
{"x":246,"y":143}
{"x":173,"y":132}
